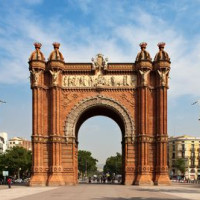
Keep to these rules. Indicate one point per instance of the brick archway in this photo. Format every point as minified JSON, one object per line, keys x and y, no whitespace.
{"x":95,"y":102}
{"x":66,"y":94}
{"x":101,"y":105}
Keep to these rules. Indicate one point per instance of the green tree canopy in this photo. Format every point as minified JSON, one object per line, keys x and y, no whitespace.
{"x":15,"y":159}
{"x":180,"y":165}
{"x":113,"y":164}
{"x":86,"y":162}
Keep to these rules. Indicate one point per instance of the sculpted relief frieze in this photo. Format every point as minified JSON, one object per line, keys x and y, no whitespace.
{"x":99,"y":80}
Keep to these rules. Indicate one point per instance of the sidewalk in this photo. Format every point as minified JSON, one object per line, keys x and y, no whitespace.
{"x":101,"y":192}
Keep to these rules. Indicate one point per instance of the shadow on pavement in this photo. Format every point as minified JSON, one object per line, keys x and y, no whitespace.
{"x":139,"y":198}
{"x":188,"y":191}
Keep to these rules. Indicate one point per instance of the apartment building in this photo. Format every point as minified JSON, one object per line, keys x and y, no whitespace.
{"x":18,"y":141}
{"x":3,"y":142}
{"x":187,"y":148}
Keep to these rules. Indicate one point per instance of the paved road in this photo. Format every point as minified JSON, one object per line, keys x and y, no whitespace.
{"x":101,"y":192}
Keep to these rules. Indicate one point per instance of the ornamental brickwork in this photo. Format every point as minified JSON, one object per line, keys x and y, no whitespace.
{"x":134,"y":95}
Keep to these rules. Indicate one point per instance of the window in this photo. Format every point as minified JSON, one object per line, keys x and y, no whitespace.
{"x":183,"y":154}
{"x":192,"y":162}
{"x":192,"y":154}
{"x":173,"y":147}
{"x":173,"y":155}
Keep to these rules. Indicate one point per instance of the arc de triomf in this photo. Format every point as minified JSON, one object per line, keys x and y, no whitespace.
{"x":66,"y":94}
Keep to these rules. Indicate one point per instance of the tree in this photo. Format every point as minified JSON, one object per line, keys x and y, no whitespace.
{"x":86,"y":163}
{"x":180,"y":165}
{"x":17,"y":161}
{"x":113,"y":164}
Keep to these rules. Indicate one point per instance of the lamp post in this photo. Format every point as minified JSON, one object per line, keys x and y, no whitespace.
{"x":188,"y":170}
{"x":6,"y":167}
{"x":86,"y":168}
{"x":19,"y":172}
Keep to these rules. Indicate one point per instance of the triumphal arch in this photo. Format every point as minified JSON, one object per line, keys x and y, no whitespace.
{"x":65,"y":94}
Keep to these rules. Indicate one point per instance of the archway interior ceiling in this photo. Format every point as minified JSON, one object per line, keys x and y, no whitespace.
{"x":100,"y":110}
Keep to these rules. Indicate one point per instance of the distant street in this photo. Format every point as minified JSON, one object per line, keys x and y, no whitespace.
{"x":102,"y":192}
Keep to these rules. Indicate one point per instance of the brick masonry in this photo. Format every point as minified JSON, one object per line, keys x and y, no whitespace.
{"x":61,"y":105}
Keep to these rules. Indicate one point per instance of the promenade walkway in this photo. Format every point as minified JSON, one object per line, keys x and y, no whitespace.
{"x":102,"y":192}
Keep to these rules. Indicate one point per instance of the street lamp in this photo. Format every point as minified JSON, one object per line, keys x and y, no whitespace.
{"x":86,"y":168}
{"x":19,"y":172}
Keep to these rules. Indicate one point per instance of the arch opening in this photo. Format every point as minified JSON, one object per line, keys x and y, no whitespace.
{"x":100,"y":110}
{"x":101,"y":136}
{"x":106,"y":111}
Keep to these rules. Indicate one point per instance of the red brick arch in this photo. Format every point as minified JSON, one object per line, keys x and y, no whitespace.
{"x":65,"y":94}
{"x":104,"y":102}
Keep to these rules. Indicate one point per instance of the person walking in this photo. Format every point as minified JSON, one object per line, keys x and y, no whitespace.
{"x":9,"y":182}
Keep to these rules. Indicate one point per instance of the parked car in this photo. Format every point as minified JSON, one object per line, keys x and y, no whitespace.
{"x":19,"y":180}
{"x":26,"y":180}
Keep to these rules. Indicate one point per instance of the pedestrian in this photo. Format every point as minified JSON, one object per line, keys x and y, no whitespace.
{"x":9,"y":182}
{"x":90,"y":179}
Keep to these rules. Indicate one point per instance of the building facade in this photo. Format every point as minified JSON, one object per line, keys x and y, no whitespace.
{"x":187,"y":148}
{"x":3,"y":142}
{"x":18,"y":141}
{"x":66,"y":94}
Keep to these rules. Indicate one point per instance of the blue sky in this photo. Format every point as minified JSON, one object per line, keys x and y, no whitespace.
{"x":112,"y":27}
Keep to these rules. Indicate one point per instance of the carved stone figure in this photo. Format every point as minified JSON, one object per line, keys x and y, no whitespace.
{"x":73,"y":81}
{"x":35,"y":77}
{"x":99,"y":63}
{"x":54,"y":77}
{"x":105,"y":63}
{"x":69,"y":81}
{"x":84,"y":81}
{"x":65,"y":81}
{"x":163,"y":76}
{"x":90,"y":81}
{"x":125,"y":82}
{"x":113,"y":81}
{"x":144,"y":75}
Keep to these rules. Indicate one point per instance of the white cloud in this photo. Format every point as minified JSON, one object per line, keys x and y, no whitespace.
{"x":80,"y":43}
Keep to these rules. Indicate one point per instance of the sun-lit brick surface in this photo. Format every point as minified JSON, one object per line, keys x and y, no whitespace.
{"x":132,"y":94}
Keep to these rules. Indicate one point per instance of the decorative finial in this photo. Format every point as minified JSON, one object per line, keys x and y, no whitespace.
{"x":161,"y":45}
{"x":143,"y":54}
{"x":162,"y":55}
{"x":37,"y":54}
{"x":143,"y":45}
{"x":56,"y":45}
{"x":37,"y":45}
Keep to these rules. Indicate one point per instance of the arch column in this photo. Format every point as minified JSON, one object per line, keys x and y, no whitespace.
{"x":143,"y":137}
{"x":55,"y":137}
{"x":39,"y":174}
{"x":162,"y":176}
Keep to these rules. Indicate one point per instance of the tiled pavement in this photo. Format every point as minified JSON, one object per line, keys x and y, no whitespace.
{"x":102,"y":192}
